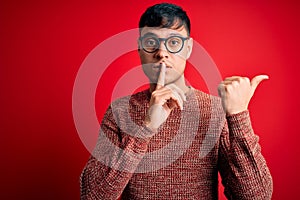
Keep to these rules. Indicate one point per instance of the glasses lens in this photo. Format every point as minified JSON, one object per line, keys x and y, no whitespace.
{"x":174,"y":44}
{"x":150,"y":44}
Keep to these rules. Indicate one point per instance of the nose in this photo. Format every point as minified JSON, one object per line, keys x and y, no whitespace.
{"x":162,"y":52}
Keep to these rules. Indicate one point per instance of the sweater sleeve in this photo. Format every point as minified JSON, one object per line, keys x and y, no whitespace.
{"x":243,"y":169}
{"x":113,"y":160}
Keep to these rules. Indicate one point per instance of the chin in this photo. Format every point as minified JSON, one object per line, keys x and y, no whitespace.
{"x":152,"y":78}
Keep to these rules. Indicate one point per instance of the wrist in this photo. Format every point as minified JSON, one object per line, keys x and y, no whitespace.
{"x":235,"y":111}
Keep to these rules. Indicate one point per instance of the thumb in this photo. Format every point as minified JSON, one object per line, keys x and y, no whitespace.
{"x":256,"y":80}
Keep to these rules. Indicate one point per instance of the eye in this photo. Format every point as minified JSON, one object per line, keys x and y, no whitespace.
{"x":174,"y":41}
{"x":150,"y":42}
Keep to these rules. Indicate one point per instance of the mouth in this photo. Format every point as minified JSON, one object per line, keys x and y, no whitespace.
{"x":158,"y":66}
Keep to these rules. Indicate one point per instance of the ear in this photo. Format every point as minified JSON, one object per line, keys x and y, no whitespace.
{"x":189,"y":47}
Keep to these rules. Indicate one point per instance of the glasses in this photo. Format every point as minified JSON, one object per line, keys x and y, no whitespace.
{"x":173,"y":44}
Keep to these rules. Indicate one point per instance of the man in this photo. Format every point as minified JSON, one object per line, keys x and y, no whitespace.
{"x":170,"y":142}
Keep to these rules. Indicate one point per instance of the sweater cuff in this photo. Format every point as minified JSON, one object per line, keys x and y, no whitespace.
{"x":239,"y":124}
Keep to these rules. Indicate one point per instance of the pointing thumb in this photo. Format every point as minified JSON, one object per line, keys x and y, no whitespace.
{"x":257,"y":79}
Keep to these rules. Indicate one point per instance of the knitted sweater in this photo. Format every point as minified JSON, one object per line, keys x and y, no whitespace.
{"x":179,"y":161}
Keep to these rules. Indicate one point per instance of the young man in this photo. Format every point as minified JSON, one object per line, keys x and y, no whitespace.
{"x":170,"y":142}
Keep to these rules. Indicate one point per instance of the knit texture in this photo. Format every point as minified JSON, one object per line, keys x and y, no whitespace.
{"x":179,"y":161}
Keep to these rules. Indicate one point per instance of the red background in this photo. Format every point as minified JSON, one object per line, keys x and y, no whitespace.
{"x":43,"y":44}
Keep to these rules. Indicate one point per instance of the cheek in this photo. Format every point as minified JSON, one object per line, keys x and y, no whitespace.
{"x":152,"y":75}
{"x":183,"y":54}
{"x":145,"y":58}
{"x":179,"y":61}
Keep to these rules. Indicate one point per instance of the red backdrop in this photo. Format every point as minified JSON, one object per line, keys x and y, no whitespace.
{"x":43,"y":44}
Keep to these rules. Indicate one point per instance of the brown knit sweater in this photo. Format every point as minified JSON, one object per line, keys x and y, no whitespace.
{"x":181,"y":160}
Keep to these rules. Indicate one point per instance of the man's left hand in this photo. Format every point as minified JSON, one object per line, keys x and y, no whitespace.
{"x":237,"y":91}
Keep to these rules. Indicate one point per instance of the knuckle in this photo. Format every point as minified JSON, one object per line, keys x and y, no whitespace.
{"x":239,"y":79}
{"x":247,"y":79}
{"x":235,"y":83}
{"x":228,"y":88}
{"x":154,"y":94}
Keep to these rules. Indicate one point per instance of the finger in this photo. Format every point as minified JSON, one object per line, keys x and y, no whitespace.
{"x":178,"y":90}
{"x":178,"y":99}
{"x":161,"y":77}
{"x":163,"y":95}
{"x":221,"y":89}
{"x":257,"y":79}
{"x":228,"y":82}
{"x":176,"y":95}
{"x":173,"y":98}
{"x":235,"y":80}
{"x":232,"y":78}
{"x":170,"y":93}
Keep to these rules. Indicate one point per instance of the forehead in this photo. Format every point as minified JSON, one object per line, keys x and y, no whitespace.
{"x":164,"y":32}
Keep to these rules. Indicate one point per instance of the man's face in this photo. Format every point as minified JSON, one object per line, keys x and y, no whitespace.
{"x":175,"y":62}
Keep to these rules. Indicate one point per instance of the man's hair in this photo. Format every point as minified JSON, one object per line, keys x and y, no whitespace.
{"x":165,"y":15}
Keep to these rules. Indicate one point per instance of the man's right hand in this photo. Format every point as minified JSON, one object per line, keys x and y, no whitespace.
{"x":163,"y":100}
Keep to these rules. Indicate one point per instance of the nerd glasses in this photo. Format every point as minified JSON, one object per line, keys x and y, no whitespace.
{"x":173,"y":44}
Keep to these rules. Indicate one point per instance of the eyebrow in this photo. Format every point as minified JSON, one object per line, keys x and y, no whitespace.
{"x":176,"y":34}
{"x":153,"y":34}
{"x":149,"y":34}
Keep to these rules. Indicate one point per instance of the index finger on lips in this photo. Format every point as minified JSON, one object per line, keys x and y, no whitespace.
{"x":161,"y":77}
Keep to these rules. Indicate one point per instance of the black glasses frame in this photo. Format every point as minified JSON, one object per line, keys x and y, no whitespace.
{"x":159,"y":40}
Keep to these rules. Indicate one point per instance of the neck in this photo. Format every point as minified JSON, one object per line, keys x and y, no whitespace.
{"x":180,"y":83}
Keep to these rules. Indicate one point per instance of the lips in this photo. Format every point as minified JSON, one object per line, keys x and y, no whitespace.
{"x":158,"y":66}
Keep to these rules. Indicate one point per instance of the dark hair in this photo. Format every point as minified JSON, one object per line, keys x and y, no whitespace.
{"x":165,"y":15}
